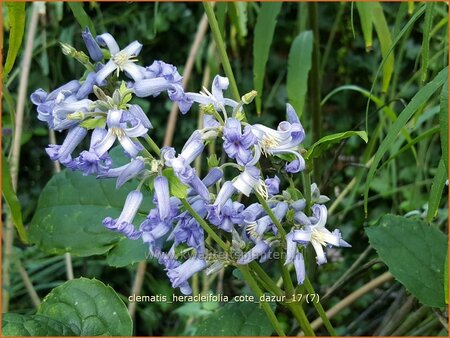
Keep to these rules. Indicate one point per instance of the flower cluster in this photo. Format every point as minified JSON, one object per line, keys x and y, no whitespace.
{"x":100,"y":103}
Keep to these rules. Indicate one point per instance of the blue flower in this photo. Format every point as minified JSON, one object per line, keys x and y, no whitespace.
{"x":161,"y":185}
{"x":123,"y":126}
{"x":124,"y":224}
{"x":121,"y":60}
{"x":258,"y":250}
{"x":63,"y":153}
{"x":230,"y":213}
{"x":126,"y":172}
{"x":236,"y":144}
{"x":248,"y":180}
{"x":273,"y":185}
{"x":318,"y":235}
{"x":179,"y":275}
{"x":93,"y":48}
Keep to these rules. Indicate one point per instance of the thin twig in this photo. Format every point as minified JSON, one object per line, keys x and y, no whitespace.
{"x":201,"y":31}
{"x":15,"y":152}
{"x":28,"y":284}
{"x":137,"y":286}
{"x":347,"y":301}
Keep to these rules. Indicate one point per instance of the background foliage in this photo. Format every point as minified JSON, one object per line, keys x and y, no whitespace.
{"x":379,"y":67}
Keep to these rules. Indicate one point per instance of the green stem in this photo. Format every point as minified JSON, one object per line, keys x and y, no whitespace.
{"x":204,"y":225}
{"x":300,"y":316}
{"x":319,"y":308}
{"x":152,"y":144}
{"x":265,"y":306}
{"x":307,"y":191}
{"x":221,"y":48}
{"x":271,"y":286}
{"x":271,"y":215}
{"x":315,"y":85}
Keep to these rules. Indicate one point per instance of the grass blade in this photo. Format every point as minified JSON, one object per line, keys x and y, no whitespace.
{"x":238,"y":16}
{"x":299,"y":65}
{"x":16,"y":12}
{"x":443,"y":123}
{"x":365,"y":16}
{"x":384,"y":35}
{"x":437,"y":187}
{"x":264,"y":30}
{"x":80,"y":14}
{"x":429,"y":11}
{"x":416,"y":102}
{"x":12,"y":200}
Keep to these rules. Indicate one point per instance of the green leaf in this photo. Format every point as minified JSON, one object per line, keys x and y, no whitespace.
{"x":16,"y":12}
{"x":81,"y":16}
{"x":89,"y":307}
{"x":384,"y":35}
{"x":416,"y":102}
{"x":437,"y":187}
{"x":12,"y":200}
{"x":70,"y":212}
{"x":443,"y":123}
{"x":238,"y":14}
{"x":424,"y":56}
{"x":415,"y":254}
{"x":127,"y":252}
{"x":264,"y":30}
{"x":299,"y":64}
{"x":14,"y":324}
{"x":176,"y":188}
{"x":446,"y":279}
{"x":364,"y":11}
{"x":327,"y":141}
{"x":236,"y":319}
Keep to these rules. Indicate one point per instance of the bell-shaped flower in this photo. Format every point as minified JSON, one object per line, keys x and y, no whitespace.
{"x":253,"y":212}
{"x":179,"y":276}
{"x":93,"y":48}
{"x":89,"y":162}
{"x":273,"y":185}
{"x":230,"y":213}
{"x":121,"y":126}
{"x":215,"y":98}
{"x":124,"y":224}
{"x":299,"y":265}
{"x":161,"y":185}
{"x":121,"y":60}
{"x":63,"y":153}
{"x":318,"y":235}
{"x":125,"y":172}
{"x":64,"y":108}
{"x":236,"y":144}
{"x":260,"y":248}
{"x":248,"y":180}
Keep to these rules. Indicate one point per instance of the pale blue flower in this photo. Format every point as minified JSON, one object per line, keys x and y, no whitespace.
{"x":124,"y":224}
{"x":93,"y":48}
{"x":121,"y":60}
{"x":89,"y":162}
{"x":248,"y":180}
{"x":236,"y":144}
{"x":258,"y":250}
{"x":179,"y":275}
{"x":299,"y":265}
{"x":230,"y":213}
{"x":318,"y":235}
{"x":122,"y":126}
{"x":161,"y":186}
{"x":273,"y":185}
{"x":63,"y":153}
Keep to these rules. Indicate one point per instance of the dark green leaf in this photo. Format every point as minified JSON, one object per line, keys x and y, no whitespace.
{"x":127,"y":252}
{"x":14,"y":324}
{"x":326,"y":142}
{"x":299,"y":64}
{"x":415,"y":254}
{"x":81,"y":16}
{"x":437,"y":187}
{"x":236,"y":319}
{"x":70,"y":212}
{"x":264,"y":30}
{"x":16,"y":13}
{"x":89,"y":308}
{"x":12,"y":200}
{"x":176,"y":188}
{"x":417,"y":101}
{"x":443,"y":123}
